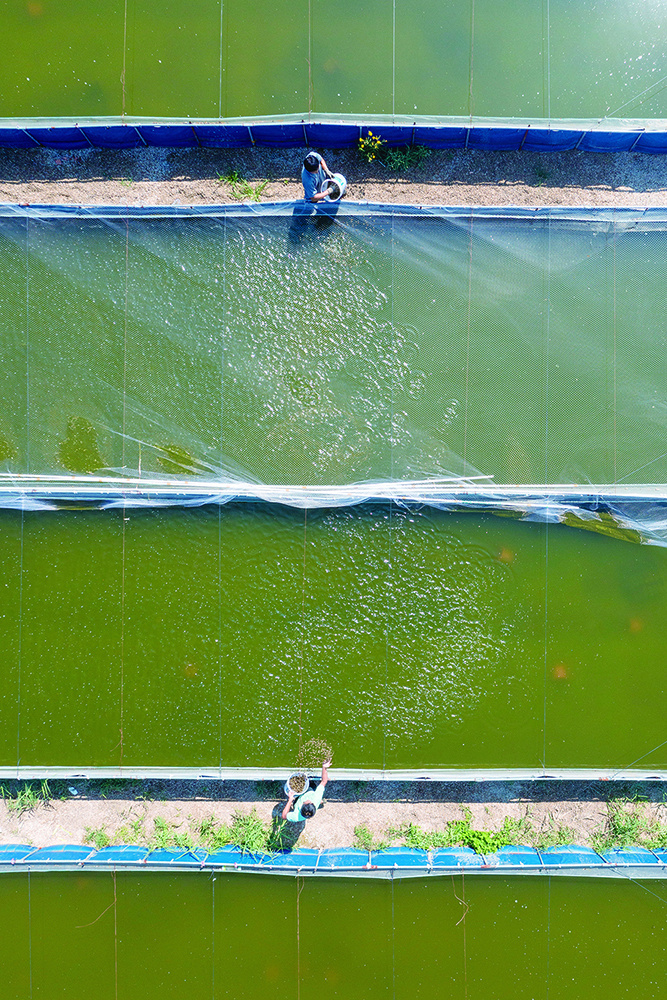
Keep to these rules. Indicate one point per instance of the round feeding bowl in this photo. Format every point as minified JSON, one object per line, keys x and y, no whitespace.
{"x":334,"y":187}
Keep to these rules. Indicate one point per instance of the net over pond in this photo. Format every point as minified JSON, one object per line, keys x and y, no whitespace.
{"x":159,"y":935}
{"x":227,"y":637}
{"x":550,"y":59}
{"x":275,"y":347}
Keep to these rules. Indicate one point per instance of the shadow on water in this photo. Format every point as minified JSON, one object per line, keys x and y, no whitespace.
{"x":311,"y":222}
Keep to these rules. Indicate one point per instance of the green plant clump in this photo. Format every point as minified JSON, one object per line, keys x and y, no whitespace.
{"x":370,"y":146}
{"x":406,"y":158}
{"x":240,"y":188}
{"x":26,"y":798}
{"x":97,"y":836}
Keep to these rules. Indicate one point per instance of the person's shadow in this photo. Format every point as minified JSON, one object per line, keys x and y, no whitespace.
{"x":309,"y":220}
{"x":283,"y":834}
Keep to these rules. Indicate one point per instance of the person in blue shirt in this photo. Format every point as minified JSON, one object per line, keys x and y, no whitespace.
{"x":308,"y":802}
{"x":313,"y":175}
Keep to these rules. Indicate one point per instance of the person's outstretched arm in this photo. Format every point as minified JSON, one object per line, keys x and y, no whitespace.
{"x":325,"y":773}
{"x":290,"y":800}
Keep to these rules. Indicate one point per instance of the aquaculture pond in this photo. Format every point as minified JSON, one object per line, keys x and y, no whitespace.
{"x":405,"y":638}
{"x":161,"y":935}
{"x":283,"y":348}
{"x":545,"y":59}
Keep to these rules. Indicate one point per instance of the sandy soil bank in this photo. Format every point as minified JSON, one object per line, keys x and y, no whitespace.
{"x":111,"y":806}
{"x":458,"y":177}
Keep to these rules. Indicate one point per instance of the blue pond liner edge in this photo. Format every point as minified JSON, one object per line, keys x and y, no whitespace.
{"x":392,"y":862}
{"x":642,"y":136}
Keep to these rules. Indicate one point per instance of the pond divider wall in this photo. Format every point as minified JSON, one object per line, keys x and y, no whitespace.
{"x":401,"y":862}
{"x":537,"y":136}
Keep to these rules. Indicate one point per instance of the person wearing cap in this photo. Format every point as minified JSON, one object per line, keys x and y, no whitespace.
{"x":308,"y":802}
{"x":313,"y":175}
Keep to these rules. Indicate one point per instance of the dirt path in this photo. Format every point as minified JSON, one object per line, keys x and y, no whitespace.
{"x":126,"y":811}
{"x":458,"y":177}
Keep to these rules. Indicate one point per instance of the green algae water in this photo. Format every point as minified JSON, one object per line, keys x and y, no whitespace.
{"x":161,"y":935}
{"x":285,"y":349}
{"x":555,"y":58}
{"x":405,"y":638}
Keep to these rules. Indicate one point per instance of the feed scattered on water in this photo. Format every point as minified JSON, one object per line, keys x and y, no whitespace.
{"x":313,"y":754}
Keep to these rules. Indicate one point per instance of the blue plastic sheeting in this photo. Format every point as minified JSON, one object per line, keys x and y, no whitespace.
{"x":113,"y":136}
{"x":59,"y":853}
{"x":280,"y":136}
{"x":437,"y":137}
{"x":545,"y":140}
{"x":344,"y":858}
{"x":516,"y":857}
{"x":123,"y":855}
{"x":630,"y":856}
{"x":13,"y":852}
{"x":608,"y":142}
{"x":168,"y":135}
{"x":496,"y":138}
{"x":570,"y":855}
{"x":457,"y":857}
{"x":223,"y":136}
{"x":400,"y":857}
{"x":231,"y":855}
{"x":59,"y":137}
{"x":304,"y":857}
{"x":652,"y":142}
{"x":183,"y":857}
{"x":333,"y":135}
{"x":17,"y":138}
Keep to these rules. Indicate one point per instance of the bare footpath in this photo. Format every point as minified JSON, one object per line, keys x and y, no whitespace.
{"x":446,"y":177}
{"x":145,"y":812}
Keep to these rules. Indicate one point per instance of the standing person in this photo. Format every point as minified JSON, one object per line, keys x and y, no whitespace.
{"x":308,"y":802}
{"x":313,"y":175}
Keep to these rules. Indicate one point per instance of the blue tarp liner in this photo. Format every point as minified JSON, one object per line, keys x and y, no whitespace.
{"x":231,"y":855}
{"x":400,"y":857}
{"x":496,"y":138}
{"x":530,"y":136}
{"x":652,"y":142}
{"x":224,"y":136}
{"x":305,"y":857}
{"x":402,"y":860}
{"x":608,"y":142}
{"x":630,"y":856}
{"x":570,"y":855}
{"x":66,"y":853}
{"x":60,"y":137}
{"x":114,"y":136}
{"x":515,"y":856}
{"x":168,"y":135}
{"x":122,"y":855}
{"x":457,"y":857}
{"x":343,"y":858}
{"x":279,"y":136}
{"x":440,"y":137}
{"x":17,"y":138}
{"x":545,"y":140}
{"x":14,"y":852}
{"x":177,"y":855}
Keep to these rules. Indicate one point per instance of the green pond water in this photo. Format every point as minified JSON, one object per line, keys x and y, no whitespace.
{"x":320,"y":351}
{"x":156,"y":935}
{"x":406,"y":639}
{"x":528,"y":58}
